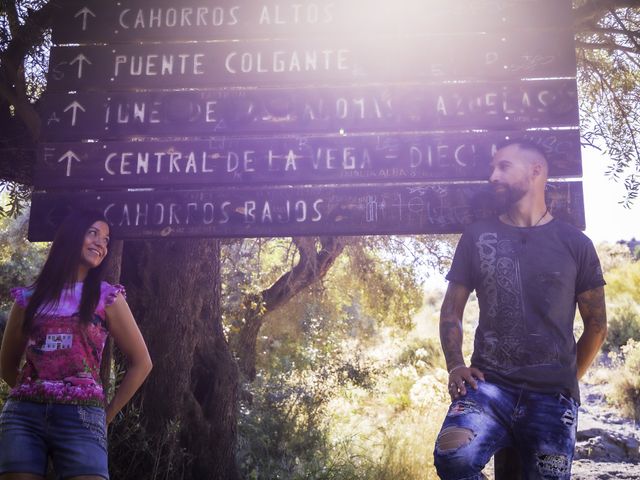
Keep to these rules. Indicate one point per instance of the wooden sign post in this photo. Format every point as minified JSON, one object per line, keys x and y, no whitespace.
{"x":301,"y":118}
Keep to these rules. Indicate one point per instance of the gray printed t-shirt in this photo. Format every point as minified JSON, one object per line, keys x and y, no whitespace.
{"x":527,"y":280}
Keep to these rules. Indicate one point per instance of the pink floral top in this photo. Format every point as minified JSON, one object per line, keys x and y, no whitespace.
{"x":63,"y":357}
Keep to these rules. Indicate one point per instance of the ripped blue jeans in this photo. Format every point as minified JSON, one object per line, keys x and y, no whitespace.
{"x":540,"y":426}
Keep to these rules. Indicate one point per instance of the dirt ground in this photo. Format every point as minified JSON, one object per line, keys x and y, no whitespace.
{"x":607,"y":445}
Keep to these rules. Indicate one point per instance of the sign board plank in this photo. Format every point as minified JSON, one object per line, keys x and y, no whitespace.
{"x":288,"y":211}
{"x":515,"y":105}
{"x":109,"y":21}
{"x":291,"y":160}
{"x":333,"y":61}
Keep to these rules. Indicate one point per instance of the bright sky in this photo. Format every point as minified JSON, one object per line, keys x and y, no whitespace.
{"x":607,"y":220}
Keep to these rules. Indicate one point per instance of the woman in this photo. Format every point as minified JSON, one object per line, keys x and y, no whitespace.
{"x":56,"y":407}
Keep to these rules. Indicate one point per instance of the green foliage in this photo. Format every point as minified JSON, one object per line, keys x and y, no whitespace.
{"x":623,"y":302}
{"x":279,"y":432}
{"x":282,"y":429}
{"x":624,"y":281}
{"x":248,"y":267}
{"x":390,"y":429}
{"x":623,"y":323}
{"x":333,"y":344}
{"x":613,"y":256}
{"x":377,"y":278}
{"x":423,"y":352}
{"x":20,"y":260}
{"x":381,"y":288}
{"x":344,"y":415}
{"x":626,"y":385}
{"x":17,"y":196}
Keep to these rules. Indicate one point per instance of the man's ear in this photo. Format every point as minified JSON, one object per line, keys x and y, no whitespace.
{"x":537,"y":169}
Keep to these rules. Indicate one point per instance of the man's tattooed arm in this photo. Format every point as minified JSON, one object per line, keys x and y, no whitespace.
{"x":594,"y":315}
{"x":451,"y":323}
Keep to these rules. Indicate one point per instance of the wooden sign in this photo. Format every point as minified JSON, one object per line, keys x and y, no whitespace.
{"x":278,"y":118}
{"x":384,"y":108}
{"x":288,"y":211}
{"x":109,"y":21}
{"x":292,"y":159}
{"x":332,"y":61}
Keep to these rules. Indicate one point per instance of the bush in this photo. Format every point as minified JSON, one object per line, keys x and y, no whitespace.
{"x":136,"y":453}
{"x":626,"y":386}
{"x":389,"y":433}
{"x":283,"y":429}
{"x":623,"y":324}
{"x":425,"y":350}
{"x":20,"y":260}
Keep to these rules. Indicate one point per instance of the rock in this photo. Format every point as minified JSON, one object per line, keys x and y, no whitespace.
{"x":590,"y":470}
{"x":632,"y":446}
{"x":588,"y":433}
{"x":596,"y":443}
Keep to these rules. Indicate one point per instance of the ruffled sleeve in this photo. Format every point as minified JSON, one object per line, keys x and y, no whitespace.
{"x":110,"y":292}
{"x":21,"y":296}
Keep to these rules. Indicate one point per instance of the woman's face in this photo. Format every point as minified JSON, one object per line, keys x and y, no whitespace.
{"x":94,"y":248}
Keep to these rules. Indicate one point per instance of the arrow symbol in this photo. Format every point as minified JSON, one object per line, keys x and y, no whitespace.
{"x":85,"y":12}
{"x":80,"y":58}
{"x":69,"y":156}
{"x":74,"y":106}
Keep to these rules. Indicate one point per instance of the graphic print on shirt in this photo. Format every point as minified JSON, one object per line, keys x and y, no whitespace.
{"x":57,"y":341}
{"x":506,"y":343}
{"x":487,"y":249}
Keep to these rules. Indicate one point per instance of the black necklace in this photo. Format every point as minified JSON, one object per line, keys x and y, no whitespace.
{"x":534,"y":225}
{"x":523,"y":235}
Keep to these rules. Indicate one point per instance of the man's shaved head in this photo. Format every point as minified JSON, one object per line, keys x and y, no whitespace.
{"x":536,"y":151}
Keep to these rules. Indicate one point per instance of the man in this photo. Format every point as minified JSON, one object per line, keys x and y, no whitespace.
{"x":521,"y":387}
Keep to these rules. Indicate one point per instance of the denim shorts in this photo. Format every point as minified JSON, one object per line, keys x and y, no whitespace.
{"x":541,"y":427}
{"x":74,"y":436}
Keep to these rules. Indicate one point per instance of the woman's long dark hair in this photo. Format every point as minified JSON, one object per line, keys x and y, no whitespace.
{"x":61,"y":269}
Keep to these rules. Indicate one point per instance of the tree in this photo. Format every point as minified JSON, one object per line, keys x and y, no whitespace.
{"x":608,"y":52}
{"x":24,"y":51}
{"x":189,"y":407}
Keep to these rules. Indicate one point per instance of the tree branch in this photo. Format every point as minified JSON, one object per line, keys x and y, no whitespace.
{"x":592,"y":11}
{"x":606,"y":85}
{"x":605,"y":46}
{"x":610,"y":31}
{"x":629,"y":34}
{"x":312,"y":266}
{"x":23,"y":39}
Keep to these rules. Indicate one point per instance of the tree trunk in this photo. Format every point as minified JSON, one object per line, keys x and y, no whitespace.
{"x":187,"y":406}
{"x":316,"y":256}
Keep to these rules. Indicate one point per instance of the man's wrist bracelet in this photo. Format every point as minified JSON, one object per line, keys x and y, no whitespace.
{"x":462,"y":365}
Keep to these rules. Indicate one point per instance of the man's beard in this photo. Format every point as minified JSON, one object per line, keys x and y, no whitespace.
{"x":506,"y":195}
